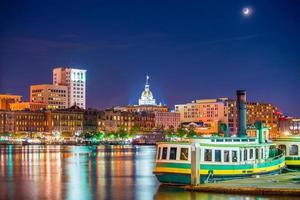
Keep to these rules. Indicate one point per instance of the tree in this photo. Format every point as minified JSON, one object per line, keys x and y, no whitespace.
{"x":135,"y":129}
{"x":181,"y":132}
{"x":121,"y":132}
{"x":191,"y":132}
{"x":111,"y":135}
{"x":170,"y":133}
{"x":99,"y":136}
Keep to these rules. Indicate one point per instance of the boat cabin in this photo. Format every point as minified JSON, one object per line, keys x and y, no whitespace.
{"x":216,"y":150}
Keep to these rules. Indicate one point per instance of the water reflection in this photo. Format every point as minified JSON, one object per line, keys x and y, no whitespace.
{"x":78,"y":172}
{"x":176,"y":193}
{"x":74,"y":172}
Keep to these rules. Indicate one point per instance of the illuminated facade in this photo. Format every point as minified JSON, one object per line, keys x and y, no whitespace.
{"x":53,"y":96}
{"x":147,"y":108}
{"x":289,"y":126}
{"x":27,"y":106}
{"x":166,"y":120}
{"x":66,"y":122}
{"x":29,"y":122}
{"x":110,"y":120}
{"x":7,"y":121}
{"x":147,"y":96}
{"x":266,"y":113}
{"x":211,"y":112}
{"x":7,"y":99}
{"x":146,"y":102}
{"x":75,"y":80}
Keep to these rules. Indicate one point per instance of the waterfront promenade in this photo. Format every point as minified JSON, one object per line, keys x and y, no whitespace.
{"x":286,"y":184}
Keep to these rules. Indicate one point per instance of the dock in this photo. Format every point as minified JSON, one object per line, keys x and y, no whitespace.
{"x":286,"y":184}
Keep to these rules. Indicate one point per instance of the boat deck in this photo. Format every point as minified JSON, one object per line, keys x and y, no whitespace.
{"x":283,"y":184}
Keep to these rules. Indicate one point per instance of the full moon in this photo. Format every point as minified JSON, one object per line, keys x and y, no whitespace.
{"x":247,"y":11}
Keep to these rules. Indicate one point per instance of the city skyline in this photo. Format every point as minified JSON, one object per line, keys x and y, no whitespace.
{"x":205,"y":52}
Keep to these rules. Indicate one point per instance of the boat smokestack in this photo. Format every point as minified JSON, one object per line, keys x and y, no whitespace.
{"x":241,"y":108}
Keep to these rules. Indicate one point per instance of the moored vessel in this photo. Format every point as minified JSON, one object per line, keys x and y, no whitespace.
{"x":290,"y":146}
{"x":207,"y":159}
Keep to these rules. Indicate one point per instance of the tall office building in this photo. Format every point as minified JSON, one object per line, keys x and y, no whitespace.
{"x":75,"y":80}
{"x":52,"y":96}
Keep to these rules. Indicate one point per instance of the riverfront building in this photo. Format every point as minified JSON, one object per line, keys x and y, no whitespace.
{"x":166,"y":120}
{"x":75,"y":80}
{"x":213,"y":112}
{"x":6,"y":99}
{"x":53,"y":96}
{"x":67,"y":122}
{"x":289,"y":126}
{"x":209,"y":112}
{"x":27,"y":106}
{"x":147,"y":103}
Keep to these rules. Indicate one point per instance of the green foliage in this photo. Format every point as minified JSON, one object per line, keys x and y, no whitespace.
{"x":121,"y":132}
{"x":191,"y":132}
{"x":181,"y":132}
{"x":135,"y":129}
{"x":99,"y":136}
{"x":111,"y":135}
{"x":86,"y":135}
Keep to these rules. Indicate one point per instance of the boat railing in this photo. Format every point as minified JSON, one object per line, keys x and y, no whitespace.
{"x":278,"y":154}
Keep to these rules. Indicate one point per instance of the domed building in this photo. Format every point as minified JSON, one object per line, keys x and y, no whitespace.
{"x":147,"y":103}
{"x":147,"y":96}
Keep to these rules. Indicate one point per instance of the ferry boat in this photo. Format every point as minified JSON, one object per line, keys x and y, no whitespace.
{"x":290,"y":145}
{"x":220,"y":159}
{"x":207,"y":159}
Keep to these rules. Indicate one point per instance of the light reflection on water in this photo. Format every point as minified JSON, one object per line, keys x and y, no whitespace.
{"x":78,"y":172}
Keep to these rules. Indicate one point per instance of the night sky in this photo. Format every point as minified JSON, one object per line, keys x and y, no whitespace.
{"x":190,"y":50}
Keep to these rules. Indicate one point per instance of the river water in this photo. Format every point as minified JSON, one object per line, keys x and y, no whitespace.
{"x":78,"y":172}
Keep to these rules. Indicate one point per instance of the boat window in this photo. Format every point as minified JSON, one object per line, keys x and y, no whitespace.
{"x":158,"y":153}
{"x":217,"y":155}
{"x":241,"y":154}
{"x":251,"y":154}
{"x":256,"y":154}
{"x":262,"y":153}
{"x":294,"y":150}
{"x":245,"y":154}
{"x":184,"y":155}
{"x":173,"y":153}
{"x":283,"y":148}
{"x":164,"y":153}
{"x":207,"y":155}
{"x":234,"y":156}
{"x":226,"y":156}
